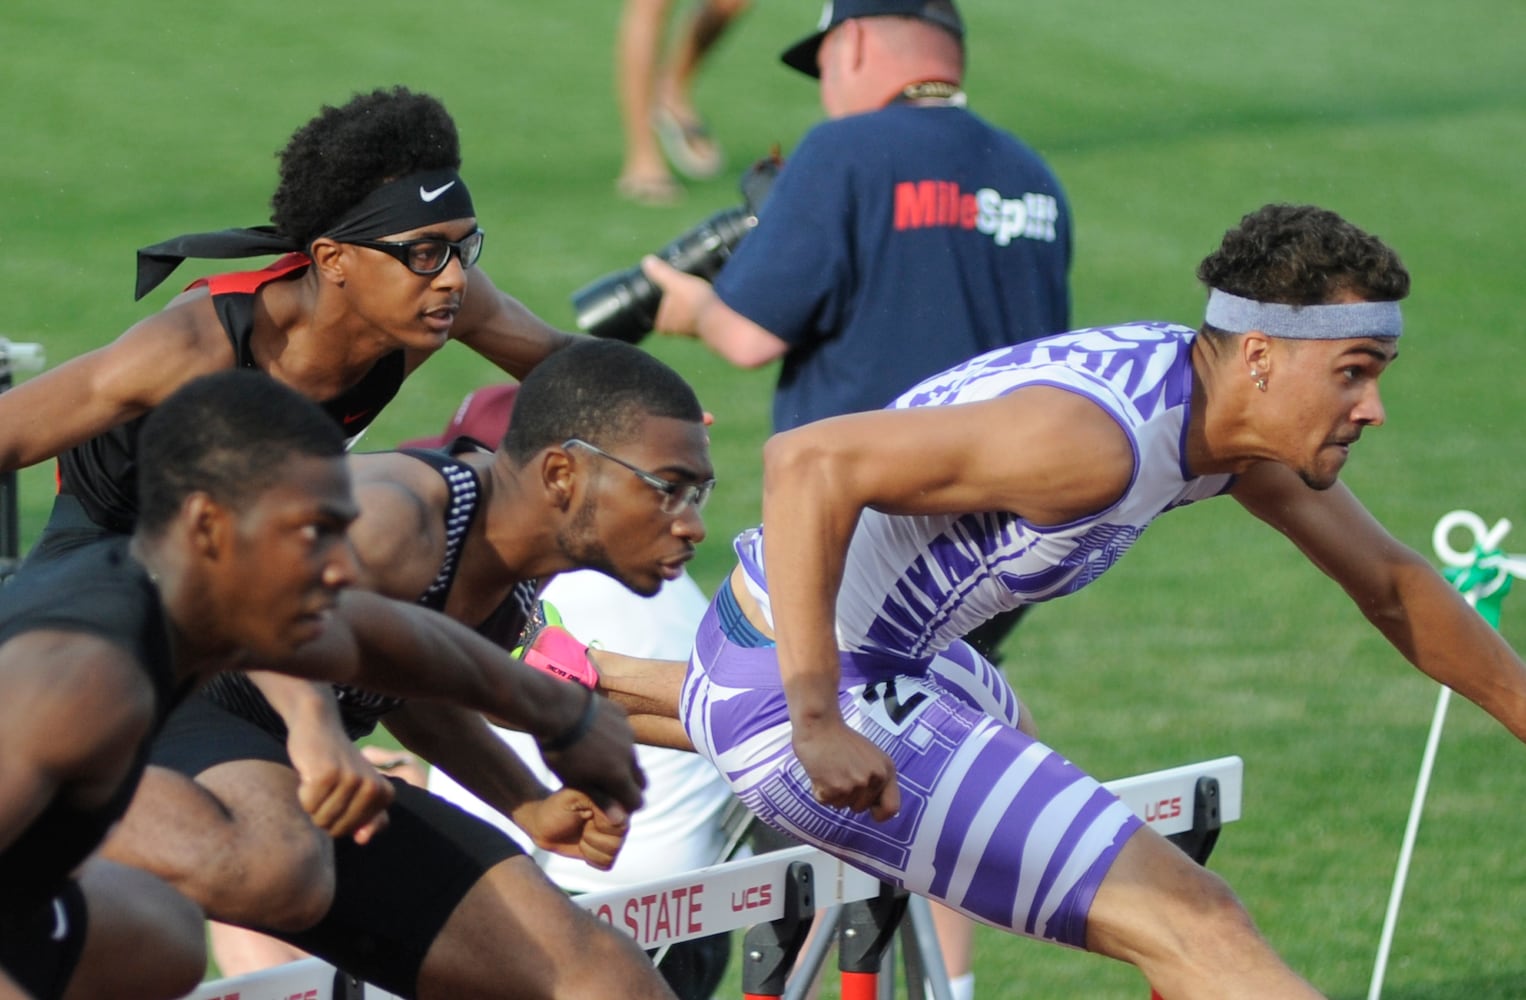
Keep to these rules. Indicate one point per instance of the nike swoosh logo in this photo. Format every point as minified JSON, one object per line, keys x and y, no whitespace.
{"x":432,"y":195}
{"x":350,"y":418}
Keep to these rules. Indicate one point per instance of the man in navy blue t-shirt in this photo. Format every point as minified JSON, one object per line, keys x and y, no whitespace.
{"x":904,"y":235}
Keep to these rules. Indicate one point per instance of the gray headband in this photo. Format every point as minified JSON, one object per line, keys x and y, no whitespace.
{"x":1348,"y":321}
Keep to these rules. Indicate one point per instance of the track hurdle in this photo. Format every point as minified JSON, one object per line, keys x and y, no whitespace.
{"x":308,"y":979}
{"x":776,"y":896}
{"x":14,"y":357}
{"x":1188,"y":805}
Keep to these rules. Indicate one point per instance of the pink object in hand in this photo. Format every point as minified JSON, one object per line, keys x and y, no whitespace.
{"x":555,"y":651}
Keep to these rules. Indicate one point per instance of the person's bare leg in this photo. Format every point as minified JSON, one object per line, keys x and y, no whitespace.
{"x":235,"y":841}
{"x":644,"y":174}
{"x":1184,"y":928}
{"x":681,"y":130}
{"x":701,"y":30}
{"x":238,"y":950}
{"x":1180,"y":924}
{"x":956,"y":939}
{"x":142,"y":938}
{"x":515,"y":927}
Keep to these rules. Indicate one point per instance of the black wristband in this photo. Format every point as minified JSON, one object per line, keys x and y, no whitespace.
{"x":577,"y":730}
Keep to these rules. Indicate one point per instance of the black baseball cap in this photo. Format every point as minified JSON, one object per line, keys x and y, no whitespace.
{"x":802,"y":55}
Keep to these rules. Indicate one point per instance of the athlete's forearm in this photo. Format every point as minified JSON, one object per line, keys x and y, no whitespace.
{"x":1433,"y":626}
{"x":460,"y":742}
{"x":805,"y":541}
{"x":504,"y":331}
{"x":401,"y":649}
{"x":412,"y":652}
{"x":660,"y":731}
{"x":648,"y":690}
{"x":94,"y":392}
{"x":641,"y":686}
{"x":297,"y":701}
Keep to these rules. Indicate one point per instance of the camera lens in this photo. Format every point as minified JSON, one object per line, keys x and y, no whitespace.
{"x":623,"y":305}
{"x":619,"y":306}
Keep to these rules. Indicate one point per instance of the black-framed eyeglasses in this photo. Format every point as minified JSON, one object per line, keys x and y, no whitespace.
{"x":676,"y":497}
{"x":431,"y":254}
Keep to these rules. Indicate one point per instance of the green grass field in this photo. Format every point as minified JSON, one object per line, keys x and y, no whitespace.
{"x":126,"y":124}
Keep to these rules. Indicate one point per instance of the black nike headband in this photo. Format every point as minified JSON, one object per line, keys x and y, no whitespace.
{"x":411,"y":202}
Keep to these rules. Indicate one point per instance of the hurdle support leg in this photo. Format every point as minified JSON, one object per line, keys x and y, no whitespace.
{"x":926,"y":975}
{"x":865,"y":935}
{"x":1207,"y":821}
{"x":347,"y":987}
{"x":769,"y":949}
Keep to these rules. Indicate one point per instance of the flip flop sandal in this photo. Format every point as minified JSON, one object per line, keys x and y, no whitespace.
{"x":688,"y":145}
{"x":656,"y":191}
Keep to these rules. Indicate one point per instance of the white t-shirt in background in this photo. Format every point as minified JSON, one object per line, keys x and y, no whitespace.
{"x":678,"y":829}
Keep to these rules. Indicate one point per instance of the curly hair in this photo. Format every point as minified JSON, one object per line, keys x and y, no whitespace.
{"x":1303,"y":255}
{"x":343,"y":154}
{"x":597,"y":390}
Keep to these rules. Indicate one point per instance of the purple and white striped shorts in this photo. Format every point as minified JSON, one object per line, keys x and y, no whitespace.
{"x":992,"y":822}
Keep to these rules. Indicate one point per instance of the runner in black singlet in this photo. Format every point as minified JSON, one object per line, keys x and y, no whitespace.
{"x":379,"y":243}
{"x":237,"y":562}
{"x":471,"y":535}
{"x":103,"y":594}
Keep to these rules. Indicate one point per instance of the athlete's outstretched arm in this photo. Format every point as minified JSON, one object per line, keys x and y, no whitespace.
{"x":1016,"y":453}
{"x":398,"y":648}
{"x":339,"y":789}
{"x":1414,"y":607}
{"x":92,"y":393}
{"x":648,"y":690}
{"x":461,"y":743}
{"x":501,"y":329}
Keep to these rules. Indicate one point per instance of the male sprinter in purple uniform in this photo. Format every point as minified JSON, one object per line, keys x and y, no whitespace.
{"x":830,"y":681}
{"x":910,"y":234}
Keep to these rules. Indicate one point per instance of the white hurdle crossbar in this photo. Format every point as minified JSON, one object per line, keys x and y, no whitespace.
{"x":748,"y":892}
{"x":307,"y":979}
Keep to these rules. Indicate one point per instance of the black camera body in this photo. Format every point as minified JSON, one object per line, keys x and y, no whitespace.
{"x":623,"y":305}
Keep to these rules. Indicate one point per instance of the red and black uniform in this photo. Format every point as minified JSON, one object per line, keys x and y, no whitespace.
{"x":361,"y":710}
{"x":100,"y":591}
{"x":99,"y":478}
{"x":392,"y":895}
